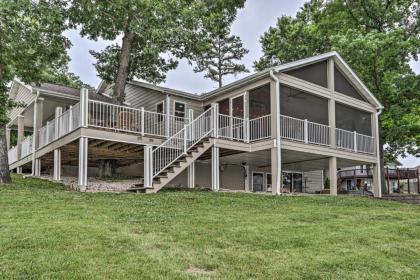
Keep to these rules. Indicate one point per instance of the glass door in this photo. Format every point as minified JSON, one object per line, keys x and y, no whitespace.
{"x":257,"y":182}
{"x":237,"y":111}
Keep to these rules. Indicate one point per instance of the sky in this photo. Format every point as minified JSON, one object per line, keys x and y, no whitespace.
{"x":251,"y":22}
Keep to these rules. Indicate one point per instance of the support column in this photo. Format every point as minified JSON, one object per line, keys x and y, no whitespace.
{"x":38,"y":115}
{"x":148,"y":167}
{"x":20,"y":135}
{"x":8,"y":130}
{"x":380,"y":175}
{"x":83,"y":163}
{"x":247,"y":178}
{"x":376,"y":182}
{"x":191,"y":175}
{"x":167,"y":115}
{"x":19,"y":170}
{"x":84,"y":107}
{"x":331,"y":103}
{"x":275,"y":135}
{"x":333,"y":175}
{"x":57,"y":152}
{"x":215,"y":171}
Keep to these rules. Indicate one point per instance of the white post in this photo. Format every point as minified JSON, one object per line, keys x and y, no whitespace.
{"x":185,"y":138}
{"x":167,"y":115}
{"x":71,"y":118}
{"x":19,"y":170}
{"x":275,"y":135}
{"x":190,"y":119}
{"x":8,"y":130}
{"x":306,"y":131}
{"x":377,"y":188}
{"x":215,"y":171}
{"x":84,"y":107}
{"x":37,"y":167}
{"x":58,"y":122}
{"x":57,"y":165}
{"x":148,"y":167}
{"x":331,"y":103}
{"x":83,"y":163}
{"x":38,"y":114}
{"x":191,"y":175}
{"x":246,"y":130}
{"x":355,"y":141}
{"x":215,"y":120}
{"x":20,"y":136}
{"x":142,"y":121}
{"x":333,"y":175}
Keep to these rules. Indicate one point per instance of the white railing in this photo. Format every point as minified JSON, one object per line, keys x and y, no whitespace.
{"x":317,"y":133}
{"x":12,"y":155}
{"x":260,"y":128}
{"x":344,"y":139}
{"x":60,"y":126}
{"x":355,"y":142}
{"x":292,"y":128}
{"x":27,"y":146}
{"x":232,"y":128}
{"x":365,"y":144}
{"x":178,"y":144}
{"x":128,"y":119}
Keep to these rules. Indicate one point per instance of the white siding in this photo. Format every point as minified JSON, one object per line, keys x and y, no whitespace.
{"x":313,"y":181}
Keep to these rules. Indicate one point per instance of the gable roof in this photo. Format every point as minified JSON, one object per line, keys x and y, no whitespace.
{"x":338,"y":60}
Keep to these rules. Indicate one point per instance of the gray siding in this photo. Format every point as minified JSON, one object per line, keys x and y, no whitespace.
{"x":138,"y":97}
{"x":314,"y":181}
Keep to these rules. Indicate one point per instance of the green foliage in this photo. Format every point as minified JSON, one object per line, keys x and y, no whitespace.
{"x":377,"y":39}
{"x":219,"y":52}
{"x":48,"y":231}
{"x":154,"y":34}
{"x":31,"y":41}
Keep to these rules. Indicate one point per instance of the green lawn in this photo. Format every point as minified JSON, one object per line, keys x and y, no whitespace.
{"x":48,"y":232}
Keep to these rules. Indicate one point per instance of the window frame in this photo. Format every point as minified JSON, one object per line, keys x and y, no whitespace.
{"x":185,"y":109}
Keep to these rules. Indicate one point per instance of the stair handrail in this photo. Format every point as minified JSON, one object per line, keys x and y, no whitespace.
{"x":178,"y":144}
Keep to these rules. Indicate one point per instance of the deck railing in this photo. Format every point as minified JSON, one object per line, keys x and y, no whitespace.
{"x":260,"y":128}
{"x":232,"y":128}
{"x":12,"y":155}
{"x":133,"y":120}
{"x":354,"y":142}
{"x":27,"y":146}
{"x":60,"y":126}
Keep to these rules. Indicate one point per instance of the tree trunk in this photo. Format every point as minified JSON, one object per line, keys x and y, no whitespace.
{"x":107,"y":168}
{"x":123,"y":66}
{"x":4,"y":162}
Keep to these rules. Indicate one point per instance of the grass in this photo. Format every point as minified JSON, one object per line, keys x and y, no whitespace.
{"x":47,"y":231}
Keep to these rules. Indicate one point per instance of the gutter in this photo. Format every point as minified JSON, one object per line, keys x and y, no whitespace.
{"x":277,"y":139}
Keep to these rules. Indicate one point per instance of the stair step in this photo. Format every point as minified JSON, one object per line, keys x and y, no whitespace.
{"x":136,"y":188}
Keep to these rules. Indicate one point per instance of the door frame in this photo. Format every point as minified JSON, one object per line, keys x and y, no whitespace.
{"x":252,"y":179}
{"x":230,"y":103}
{"x":265,"y":180}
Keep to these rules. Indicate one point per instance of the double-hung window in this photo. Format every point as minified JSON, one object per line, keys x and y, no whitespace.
{"x":179,"y":109}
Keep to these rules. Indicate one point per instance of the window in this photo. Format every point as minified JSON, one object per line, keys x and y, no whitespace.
{"x":315,"y":73}
{"x":159,"y":107}
{"x":179,"y":109}
{"x":259,"y":102}
{"x":351,"y":119}
{"x":342,"y":85}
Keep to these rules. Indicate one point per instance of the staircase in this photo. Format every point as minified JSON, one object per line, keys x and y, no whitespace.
{"x":175,"y":154}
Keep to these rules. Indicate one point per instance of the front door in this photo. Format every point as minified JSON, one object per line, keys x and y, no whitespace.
{"x":257,"y":182}
{"x":237,"y":110}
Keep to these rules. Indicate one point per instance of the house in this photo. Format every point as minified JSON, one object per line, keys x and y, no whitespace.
{"x":281,"y":130}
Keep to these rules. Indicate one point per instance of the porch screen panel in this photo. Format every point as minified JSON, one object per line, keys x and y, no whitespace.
{"x":342,"y":85}
{"x":259,"y":102}
{"x":351,"y":119}
{"x":224,"y":107}
{"x":315,"y":73}
{"x":301,"y":105}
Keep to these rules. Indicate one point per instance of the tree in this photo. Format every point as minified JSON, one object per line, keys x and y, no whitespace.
{"x":219,"y":53}
{"x":31,"y":41}
{"x":61,"y":76}
{"x":377,"y":39}
{"x":154,"y":34}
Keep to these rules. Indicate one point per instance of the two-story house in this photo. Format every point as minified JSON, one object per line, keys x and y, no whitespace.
{"x":284,"y":129}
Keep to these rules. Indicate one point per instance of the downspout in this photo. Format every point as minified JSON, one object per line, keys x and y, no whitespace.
{"x":378,"y":151}
{"x":277,"y":139}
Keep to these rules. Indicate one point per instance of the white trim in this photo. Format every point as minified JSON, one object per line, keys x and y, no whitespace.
{"x":231,"y":103}
{"x":185,"y":108}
